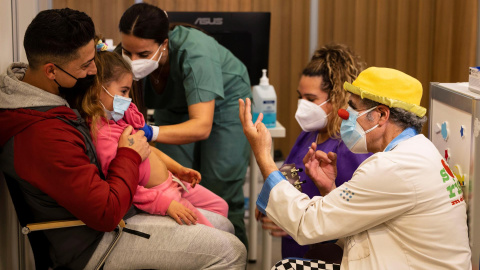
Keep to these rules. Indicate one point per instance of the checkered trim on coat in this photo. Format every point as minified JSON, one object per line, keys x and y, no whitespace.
{"x":297,"y":264}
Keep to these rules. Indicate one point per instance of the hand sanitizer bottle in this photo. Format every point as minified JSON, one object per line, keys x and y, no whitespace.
{"x":265,"y":101}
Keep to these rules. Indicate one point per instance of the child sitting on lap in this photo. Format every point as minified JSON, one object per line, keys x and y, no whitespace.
{"x":165,"y":186}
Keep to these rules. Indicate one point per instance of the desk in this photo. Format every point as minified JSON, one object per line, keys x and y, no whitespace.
{"x":277,"y":132}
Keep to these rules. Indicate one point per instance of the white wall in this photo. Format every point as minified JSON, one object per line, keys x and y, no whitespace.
{"x":8,"y":222}
{"x":26,"y":10}
{"x":15,"y":16}
{"x":478,"y":35}
{"x":6,"y":53}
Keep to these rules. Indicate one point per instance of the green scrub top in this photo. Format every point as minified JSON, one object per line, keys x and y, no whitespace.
{"x":202,"y":70}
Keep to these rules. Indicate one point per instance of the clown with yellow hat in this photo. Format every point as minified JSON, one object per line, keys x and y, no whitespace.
{"x":400,"y":210}
{"x":389,"y":87}
{"x":375,"y":86}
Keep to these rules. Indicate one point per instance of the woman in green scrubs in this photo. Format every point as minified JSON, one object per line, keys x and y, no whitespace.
{"x":194,"y":84}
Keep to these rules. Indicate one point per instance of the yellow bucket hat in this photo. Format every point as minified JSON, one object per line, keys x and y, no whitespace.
{"x":389,"y":87}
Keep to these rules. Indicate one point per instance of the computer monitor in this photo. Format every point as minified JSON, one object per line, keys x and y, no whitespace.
{"x":245,"y":34}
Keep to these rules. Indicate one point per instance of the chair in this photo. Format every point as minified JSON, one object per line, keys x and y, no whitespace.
{"x":38,"y":241}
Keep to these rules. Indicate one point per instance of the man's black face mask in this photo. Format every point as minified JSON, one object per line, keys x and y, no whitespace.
{"x":74,"y":94}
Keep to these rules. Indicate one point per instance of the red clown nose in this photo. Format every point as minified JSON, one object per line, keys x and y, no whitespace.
{"x":343,"y":114}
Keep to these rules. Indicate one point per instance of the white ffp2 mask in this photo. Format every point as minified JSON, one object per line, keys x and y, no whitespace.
{"x":141,"y":68}
{"x":310,"y":116}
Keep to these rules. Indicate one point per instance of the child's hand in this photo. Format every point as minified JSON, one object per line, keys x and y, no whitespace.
{"x":181,"y":213}
{"x":189,"y":175}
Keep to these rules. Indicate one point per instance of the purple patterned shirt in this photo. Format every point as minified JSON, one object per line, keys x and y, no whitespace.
{"x":347,"y":163}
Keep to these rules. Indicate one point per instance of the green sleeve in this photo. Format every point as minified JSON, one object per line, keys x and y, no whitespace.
{"x":202,"y":72}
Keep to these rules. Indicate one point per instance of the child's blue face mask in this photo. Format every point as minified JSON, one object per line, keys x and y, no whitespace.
{"x":353,"y":134}
{"x":120,"y":105}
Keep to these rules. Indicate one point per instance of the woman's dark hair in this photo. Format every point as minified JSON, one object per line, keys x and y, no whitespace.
{"x":145,"y":21}
{"x":55,"y":35}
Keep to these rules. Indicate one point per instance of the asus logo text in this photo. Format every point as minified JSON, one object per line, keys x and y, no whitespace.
{"x":209,"y":21}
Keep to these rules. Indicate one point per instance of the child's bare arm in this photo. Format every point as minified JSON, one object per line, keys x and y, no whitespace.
{"x":171,"y":164}
{"x":185,"y":174}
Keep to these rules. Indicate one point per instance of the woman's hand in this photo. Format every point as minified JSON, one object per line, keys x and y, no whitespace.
{"x":269,"y":225}
{"x":189,"y":175}
{"x":181,"y":213}
{"x":321,"y":168}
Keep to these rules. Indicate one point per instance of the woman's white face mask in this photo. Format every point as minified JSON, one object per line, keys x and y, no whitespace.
{"x":310,"y":116}
{"x":141,"y":68}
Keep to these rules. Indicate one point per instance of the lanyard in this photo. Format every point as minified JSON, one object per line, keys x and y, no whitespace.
{"x":406,"y":134}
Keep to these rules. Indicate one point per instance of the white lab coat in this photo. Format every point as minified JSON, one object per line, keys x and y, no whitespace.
{"x":400,"y":210}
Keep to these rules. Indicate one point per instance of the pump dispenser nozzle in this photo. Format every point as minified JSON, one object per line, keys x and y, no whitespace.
{"x":264,"y":78}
